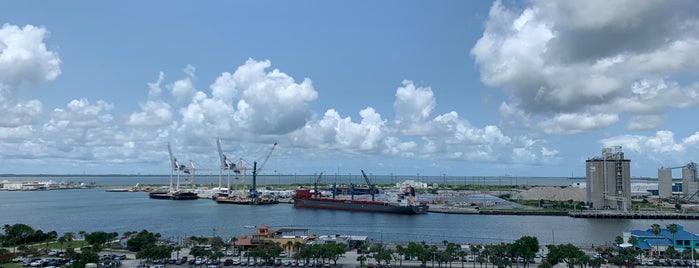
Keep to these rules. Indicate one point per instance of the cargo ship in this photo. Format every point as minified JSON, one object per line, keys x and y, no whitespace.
{"x":306,"y":199}
{"x":404,"y":203}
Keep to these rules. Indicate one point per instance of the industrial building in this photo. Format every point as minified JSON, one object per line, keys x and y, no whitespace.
{"x":608,"y":179}
{"x":690,"y":182}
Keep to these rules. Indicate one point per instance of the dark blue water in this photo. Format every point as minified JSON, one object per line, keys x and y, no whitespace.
{"x":96,"y":210}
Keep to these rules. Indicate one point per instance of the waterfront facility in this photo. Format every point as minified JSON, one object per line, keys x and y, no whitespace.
{"x":647,"y":240}
{"x":690,"y":181}
{"x":608,"y":179}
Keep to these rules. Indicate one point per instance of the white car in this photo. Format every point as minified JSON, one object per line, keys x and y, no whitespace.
{"x":37,"y":263}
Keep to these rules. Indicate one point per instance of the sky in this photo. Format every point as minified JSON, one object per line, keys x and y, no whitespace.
{"x":426,"y":88}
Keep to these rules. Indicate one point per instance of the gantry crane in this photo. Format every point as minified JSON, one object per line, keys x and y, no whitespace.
{"x":177,"y":167}
{"x":226,"y":165}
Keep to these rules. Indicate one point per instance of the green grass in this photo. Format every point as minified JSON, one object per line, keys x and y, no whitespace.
{"x":12,"y":265}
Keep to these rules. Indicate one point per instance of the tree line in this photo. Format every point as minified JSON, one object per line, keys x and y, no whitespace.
{"x":149,"y":246}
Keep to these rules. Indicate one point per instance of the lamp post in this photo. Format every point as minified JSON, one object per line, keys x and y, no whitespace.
{"x":433,"y":257}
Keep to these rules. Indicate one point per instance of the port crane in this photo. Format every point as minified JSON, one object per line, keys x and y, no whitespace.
{"x":177,"y":168}
{"x":315,"y":186}
{"x":226,"y":165}
{"x":255,"y":170}
{"x":372,"y":187}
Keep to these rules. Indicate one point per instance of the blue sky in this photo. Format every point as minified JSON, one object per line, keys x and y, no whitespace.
{"x":472,"y":88}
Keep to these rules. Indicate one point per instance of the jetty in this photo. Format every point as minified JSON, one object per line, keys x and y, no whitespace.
{"x":634,"y":215}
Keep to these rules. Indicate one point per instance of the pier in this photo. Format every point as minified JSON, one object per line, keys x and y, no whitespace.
{"x":634,"y":215}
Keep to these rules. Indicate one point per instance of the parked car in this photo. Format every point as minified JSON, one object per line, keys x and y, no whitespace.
{"x":37,"y":263}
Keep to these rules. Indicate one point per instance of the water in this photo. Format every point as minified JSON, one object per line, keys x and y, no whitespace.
{"x":266,"y":179}
{"x":96,"y":210}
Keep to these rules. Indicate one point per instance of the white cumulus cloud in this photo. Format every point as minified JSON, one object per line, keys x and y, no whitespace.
{"x":592,"y":59}
{"x":24,"y":62}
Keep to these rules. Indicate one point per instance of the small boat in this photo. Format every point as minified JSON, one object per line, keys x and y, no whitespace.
{"x":246,"y":200}
{"x":174,"y":195}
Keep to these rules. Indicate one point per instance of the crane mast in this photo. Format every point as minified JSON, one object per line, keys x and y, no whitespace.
{"x":315,"y":185}
{"x":371,"y":185}
{"x":255,"y":169}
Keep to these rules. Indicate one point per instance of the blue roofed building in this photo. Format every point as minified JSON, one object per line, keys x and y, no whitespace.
{"x":647,"y":240}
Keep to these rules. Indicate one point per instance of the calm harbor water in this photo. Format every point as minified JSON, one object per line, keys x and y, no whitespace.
{"x":96,"y":210}
{"x":266,"y":179}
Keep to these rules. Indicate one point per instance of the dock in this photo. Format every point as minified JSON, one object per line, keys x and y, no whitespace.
{"x":634,"y":215}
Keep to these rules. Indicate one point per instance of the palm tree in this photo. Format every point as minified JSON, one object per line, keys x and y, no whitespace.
{"x":361,"y":259}
{"x":672,"y":228}
{"x":401,"y":252}
{"x":475,"y":249}
{"x":618,"y":240}
{"x":633,"y":241}
{"x":655,"y":229}
{"x":178,"y":249}
{"x":289,"y":245}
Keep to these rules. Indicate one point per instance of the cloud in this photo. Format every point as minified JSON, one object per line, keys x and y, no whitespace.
{"x":413,"y":106}
{"x":154,"y":112}
{"x":332,"y":131}
{"x":577,"y":123}
{"x":254,"y":105}
{"x":592,"y":59}
{"x":24,"y":62}
{"x":271,"y":102}
{"x":663,"y":142}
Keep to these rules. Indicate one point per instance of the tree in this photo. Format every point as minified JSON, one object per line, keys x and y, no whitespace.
{"x":142,"y":239}
{"x":382,"y":254}
{"x":566,"y":253}
{"x":87,"y":255}
{"x":633,"y":241}
{"x":361,"y":259}
{"x":475,"y":249}
{"x":5,"y":255}
{"x":672,"y":228}
{"x":544,"y":265}
{"x":671,"y":253}
{"x":153,"y":252}
{"x":401,"y":253}
{"x":525,"y":247}
{"x":99,"y":238}
{"x":498,"y":255}
{"x":596,"y":262}
{"x":61,"y":240}
{"x":462,"y":256}
{"x":655,"y":229}
{"x":18,"y":234}
{"x":450,"y":252}
{"x":687,"y":253}
{"x":335,"y":251}
{"x":419,"y":252}
{"x":618,"y":240}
